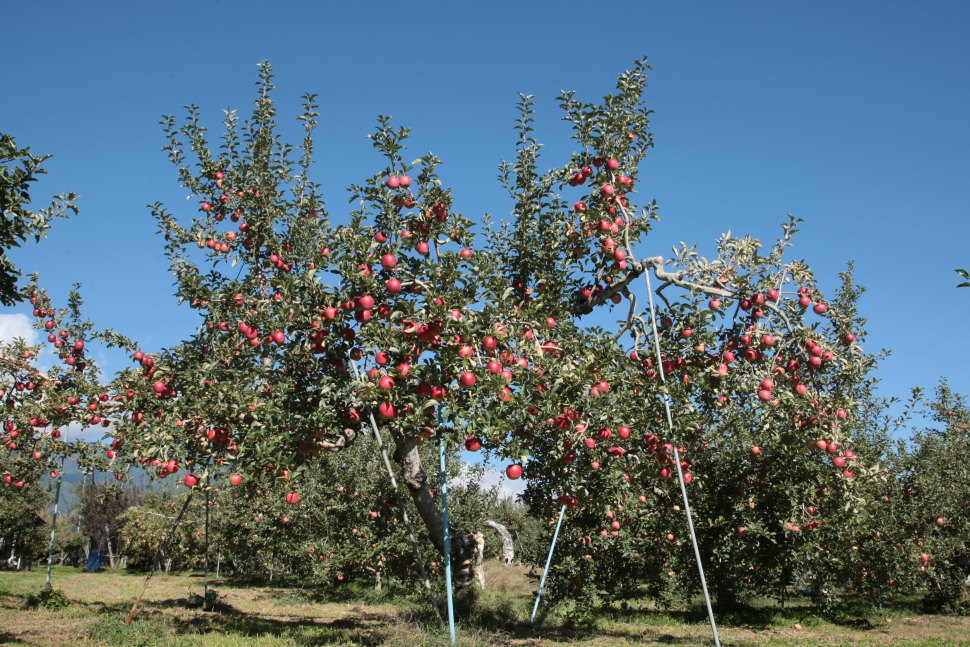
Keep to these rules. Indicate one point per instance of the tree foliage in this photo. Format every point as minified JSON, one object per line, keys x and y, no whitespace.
{"x":19,"y":168}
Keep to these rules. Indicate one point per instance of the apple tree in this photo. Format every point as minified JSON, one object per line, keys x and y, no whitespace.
{"x":22,"y":531}
{"x":47,"y":410}
{"x":399,"y":321}
{"x":310,"y":330}
{"x":144,"y":524}
{"x":933,"y":496}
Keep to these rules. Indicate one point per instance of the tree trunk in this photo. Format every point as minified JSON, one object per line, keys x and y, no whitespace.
{"x":727,"y":597}
{"x":508,"y":550}
{"x":463,"y":544}
{"x":107,"y":540}
{"x":479,"y":558}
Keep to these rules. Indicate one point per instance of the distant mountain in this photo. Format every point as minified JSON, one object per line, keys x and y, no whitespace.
{"x":72,"y":476}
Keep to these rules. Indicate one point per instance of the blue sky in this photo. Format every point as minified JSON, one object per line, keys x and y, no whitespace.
{"x":849,"y":115}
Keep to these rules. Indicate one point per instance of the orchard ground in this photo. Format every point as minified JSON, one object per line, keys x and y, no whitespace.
{"x":251,"y":615}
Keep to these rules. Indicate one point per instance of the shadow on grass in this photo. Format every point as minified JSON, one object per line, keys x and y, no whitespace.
{"x":359,"y":627}
{"x":362,"y":628}
{"x":491,"y":617}
{"x":501,"y":618}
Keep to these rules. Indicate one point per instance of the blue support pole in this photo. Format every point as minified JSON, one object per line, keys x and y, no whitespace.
{"x":50,"y":548}
{"x":545,"y":571}
{"x":447,"y":531}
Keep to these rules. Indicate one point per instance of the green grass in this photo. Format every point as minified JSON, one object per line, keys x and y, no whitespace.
{"x":254,"y":616}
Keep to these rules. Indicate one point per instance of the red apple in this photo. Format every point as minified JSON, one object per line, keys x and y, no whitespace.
{"x":386,"y":383}
{"x":386,"y":410}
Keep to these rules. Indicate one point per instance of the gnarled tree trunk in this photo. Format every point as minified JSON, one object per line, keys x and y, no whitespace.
{"x":416,"y":478}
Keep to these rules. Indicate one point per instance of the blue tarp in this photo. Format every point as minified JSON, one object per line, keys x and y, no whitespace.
{"x":95,"y":558}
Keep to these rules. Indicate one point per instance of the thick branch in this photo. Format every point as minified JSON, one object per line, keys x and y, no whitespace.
{"x":656,"y":263}
{"x":583,"y":307}
{"x":347,"y":438}
{"x":406,"y":455}
{"x":508,"y":551}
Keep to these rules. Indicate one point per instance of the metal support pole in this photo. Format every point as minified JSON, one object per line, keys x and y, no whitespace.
{"x":680,"y":471}
{"x":50,"y":548}
{"x":205,"y":586}
{"x":447,"y":530}
{"x":545,"y":571}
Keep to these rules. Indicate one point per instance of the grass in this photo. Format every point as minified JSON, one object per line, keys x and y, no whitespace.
{"x":255,"y":616}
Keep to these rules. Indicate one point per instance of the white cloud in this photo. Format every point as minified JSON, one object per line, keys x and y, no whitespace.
{"x":509,"y":488}
{"x":16,"y":325}
{"x":491,"y":476}
{"x":75,"y":431}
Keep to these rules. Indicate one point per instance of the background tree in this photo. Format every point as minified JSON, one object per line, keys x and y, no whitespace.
{"x":144,"y":525}
{"x":934,"y":489}
{"x":345,"y":524}
{"x":23,"y":533}
{"x":100,"y":514}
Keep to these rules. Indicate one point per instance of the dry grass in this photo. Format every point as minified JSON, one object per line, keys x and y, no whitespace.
{"x":277,"y":617}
